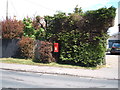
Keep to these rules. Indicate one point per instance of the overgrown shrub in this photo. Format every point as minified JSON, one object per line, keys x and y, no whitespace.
{"x":26,"y":46}
{"x":43,"y":52}
{"x":12,"y":29}
{"x":82,"y":36}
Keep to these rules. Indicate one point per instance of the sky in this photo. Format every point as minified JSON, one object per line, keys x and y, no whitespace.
{"x":31,"y":8}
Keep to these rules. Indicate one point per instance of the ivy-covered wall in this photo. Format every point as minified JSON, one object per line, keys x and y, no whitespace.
{"x":82,"y":36}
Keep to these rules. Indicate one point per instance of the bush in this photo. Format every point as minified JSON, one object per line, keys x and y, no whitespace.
{"x":26,"y":46}
{"x":43,"y":52}
{"x":12,"y":29}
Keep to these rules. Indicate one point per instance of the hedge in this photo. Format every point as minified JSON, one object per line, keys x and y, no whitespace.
{"x":78,"y":52}
{"x":82,"y":36}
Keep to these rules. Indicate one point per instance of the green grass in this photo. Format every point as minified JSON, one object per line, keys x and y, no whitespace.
{"x":53,"y":64}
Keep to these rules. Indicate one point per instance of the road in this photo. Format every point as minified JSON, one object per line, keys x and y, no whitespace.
{"x":17,"y":79}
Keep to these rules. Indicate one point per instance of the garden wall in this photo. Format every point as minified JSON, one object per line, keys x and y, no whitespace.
{"x":9,"y":47}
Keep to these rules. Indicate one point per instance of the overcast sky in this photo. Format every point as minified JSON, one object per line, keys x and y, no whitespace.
{"x":23,"y":8}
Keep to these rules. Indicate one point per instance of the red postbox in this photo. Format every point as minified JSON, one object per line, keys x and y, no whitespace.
{"x":56,"y":47}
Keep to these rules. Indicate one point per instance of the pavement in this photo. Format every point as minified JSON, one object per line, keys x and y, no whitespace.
{"x":108,"y":72}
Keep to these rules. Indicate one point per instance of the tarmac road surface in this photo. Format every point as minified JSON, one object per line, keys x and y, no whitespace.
{"x":17,"y":79}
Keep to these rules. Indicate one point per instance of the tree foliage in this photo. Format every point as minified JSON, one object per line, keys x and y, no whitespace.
{"x":12,"y":29}
{"x":33,"y":29}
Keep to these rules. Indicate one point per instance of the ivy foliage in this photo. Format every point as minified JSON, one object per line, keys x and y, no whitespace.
{"x":82,"y":37}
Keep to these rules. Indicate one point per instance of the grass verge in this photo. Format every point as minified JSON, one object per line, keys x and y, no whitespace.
{"x":53,"y":64}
